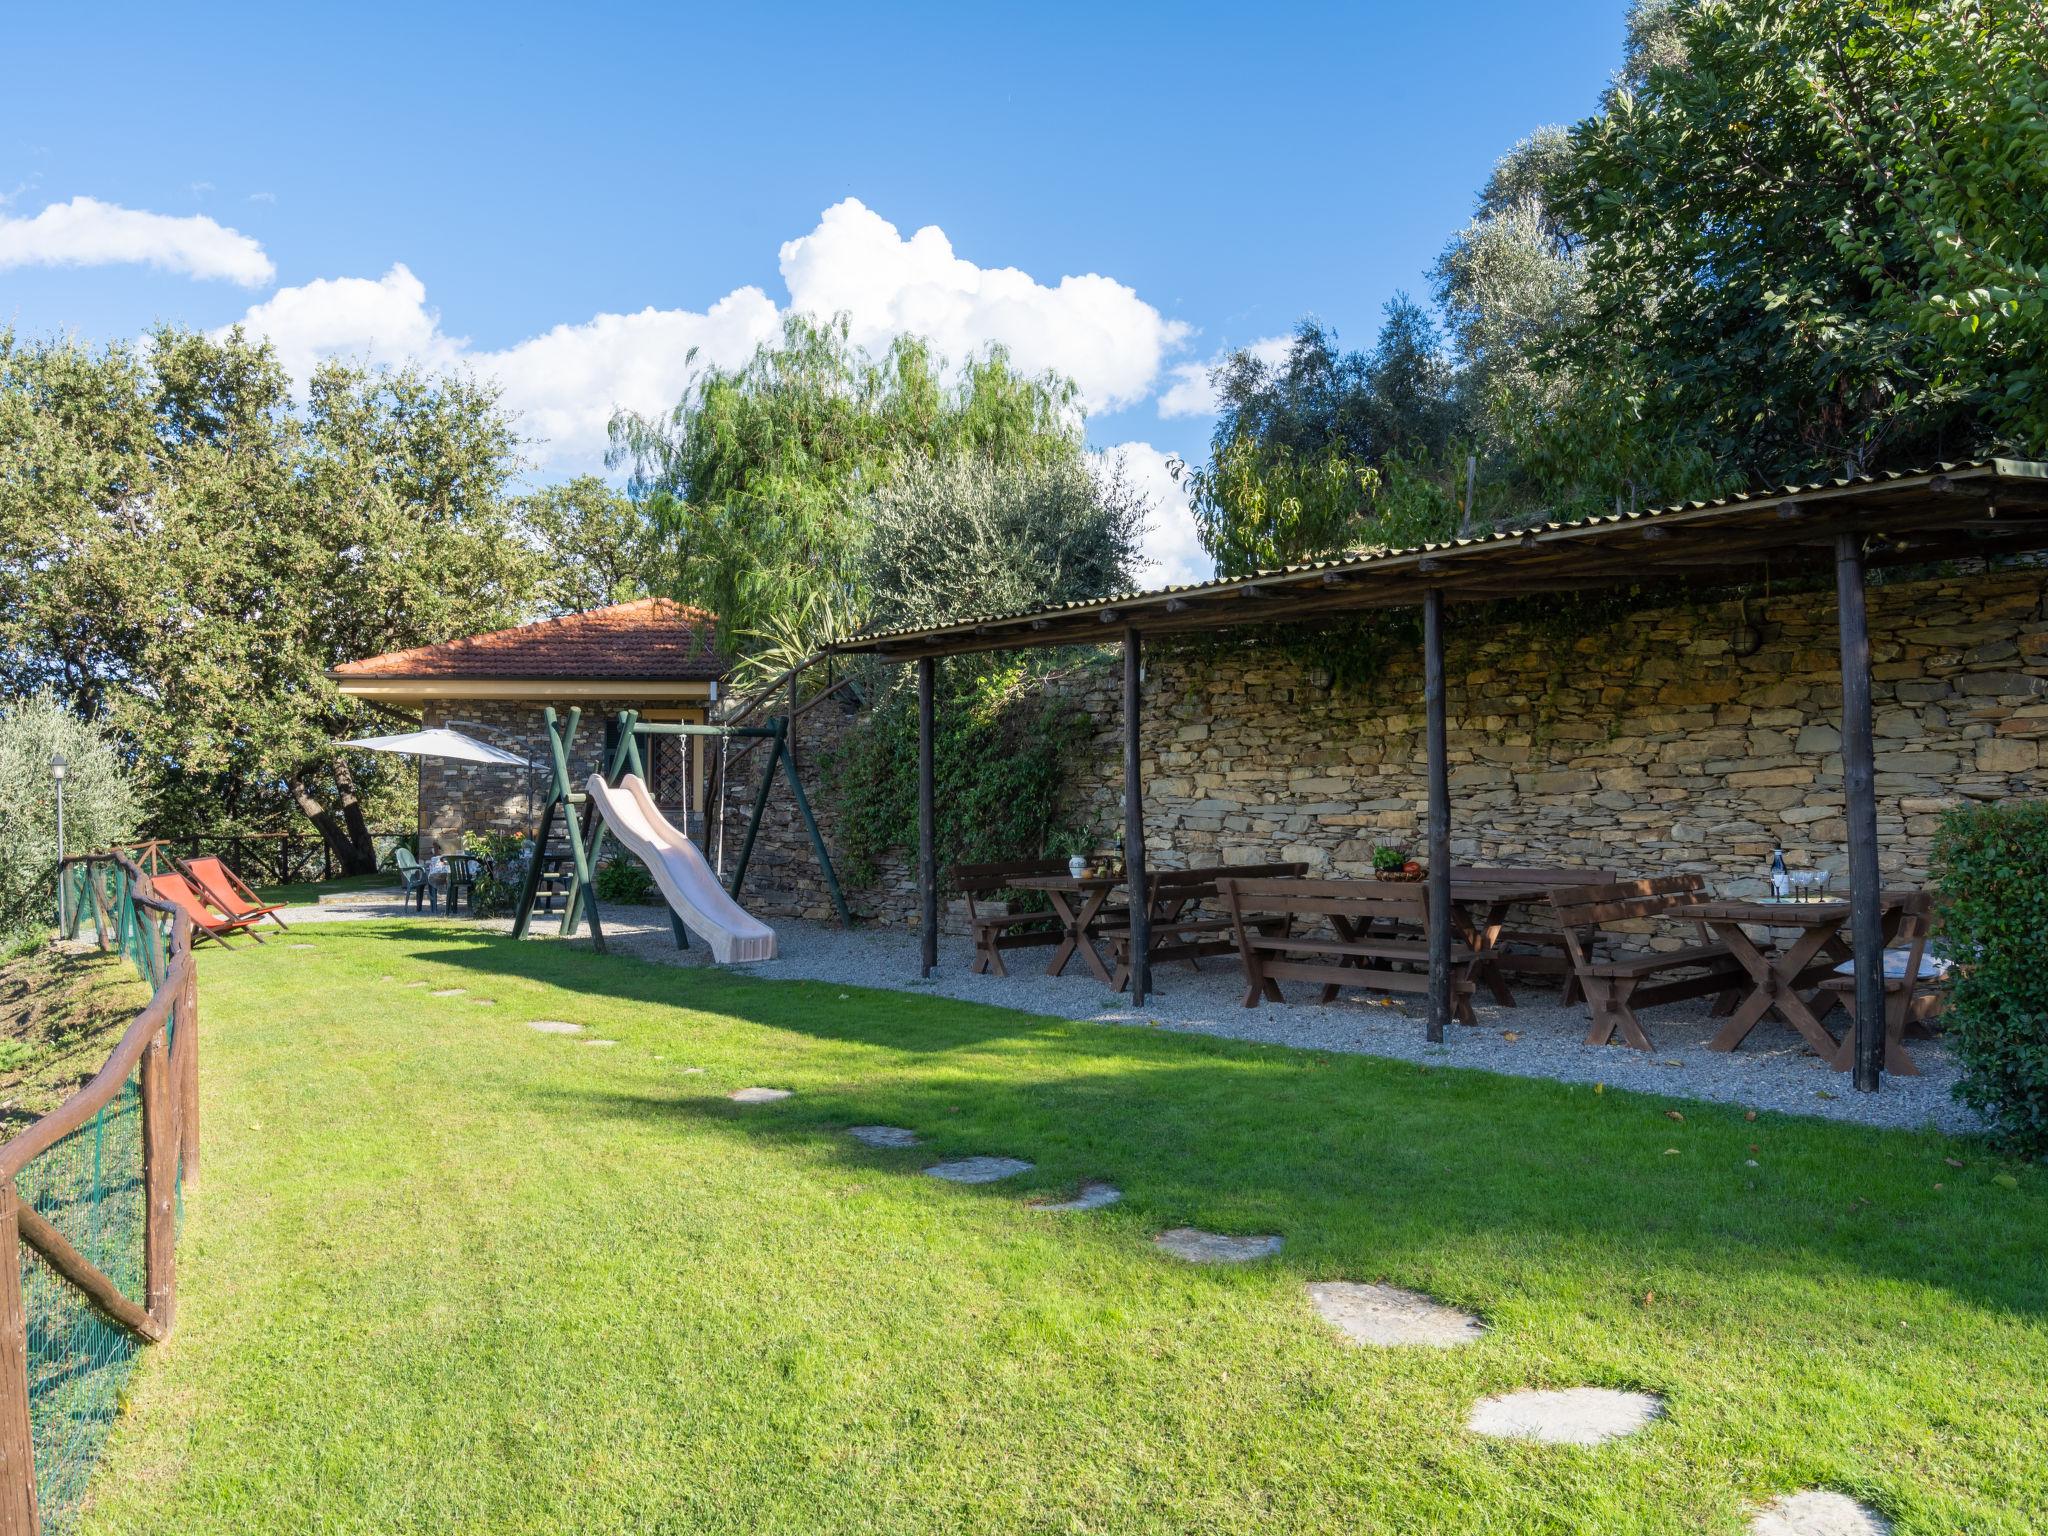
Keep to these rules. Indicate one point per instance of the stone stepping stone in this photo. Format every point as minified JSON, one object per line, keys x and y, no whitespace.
{"x":1092,"y":1196}
{"x":415,"y":983}
{"x":978,"y":1170}
{"x":1388,"y":1315}
{"x":1199,"y":1247}
{"x":554,"y":1026}
{"x":485,"y":1002}
{"x":449,"y":991}
{"x":600,"y":1042}
{"x":883,"y":1135}
{"x":1817,"y":1512}
{"x":757,"y":1095}
{"x":1574,"y":1416}
{"x":298,"y":946}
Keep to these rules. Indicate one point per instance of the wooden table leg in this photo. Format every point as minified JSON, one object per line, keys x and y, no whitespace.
{"x":1482,"y":938}
{"x":1758,"y":1002}
{"x":1077,"y":940}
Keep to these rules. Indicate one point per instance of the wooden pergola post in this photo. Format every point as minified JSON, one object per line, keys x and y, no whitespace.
{"x":927,"y":850}
{"x":1134,"y":827}
{"x":1859,"y":784}
{"x":1439,"y":815}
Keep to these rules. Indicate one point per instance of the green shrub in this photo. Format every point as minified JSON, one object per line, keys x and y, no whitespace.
{"x":503,"y":871}
{"x":1992,"y":865}
{"x":1005,"y":756}
{"x":625,"y":880}
{"x":100,"y":804}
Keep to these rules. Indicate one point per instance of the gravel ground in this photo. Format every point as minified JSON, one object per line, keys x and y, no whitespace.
{"x":1772,"y":1071}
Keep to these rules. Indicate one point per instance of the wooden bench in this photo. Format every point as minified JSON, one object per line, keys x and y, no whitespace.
{"x":997,"y":930}
{"x":1912,"y":999}
{"x":1371,"y":924}
{"x":1182,"y":927}
{"x":1615,"y":985}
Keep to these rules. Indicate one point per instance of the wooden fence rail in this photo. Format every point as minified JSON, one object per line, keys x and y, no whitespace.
{"x":262,"y":858}
{"x":163,"y":1045}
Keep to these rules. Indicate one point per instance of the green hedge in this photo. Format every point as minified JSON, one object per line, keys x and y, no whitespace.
{"x":1992,"y":865}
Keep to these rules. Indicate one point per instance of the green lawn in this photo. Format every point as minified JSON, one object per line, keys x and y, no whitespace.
{"x":305,"y":892}
{"x":445,"y":1273}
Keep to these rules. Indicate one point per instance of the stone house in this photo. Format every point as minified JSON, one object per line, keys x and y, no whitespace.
{"x":654,"y":655}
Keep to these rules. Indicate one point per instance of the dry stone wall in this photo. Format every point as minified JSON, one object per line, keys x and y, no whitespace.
{"x":1649,"y":747}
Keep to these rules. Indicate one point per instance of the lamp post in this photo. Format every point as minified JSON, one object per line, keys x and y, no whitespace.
{"x":57,"y":767}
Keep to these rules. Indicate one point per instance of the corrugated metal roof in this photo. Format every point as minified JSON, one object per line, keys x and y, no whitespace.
{"x":1858,"y":488}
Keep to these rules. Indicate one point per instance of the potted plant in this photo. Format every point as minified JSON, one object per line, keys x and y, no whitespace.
{"x":1077,"y":844}
{"x":1390,"y":862}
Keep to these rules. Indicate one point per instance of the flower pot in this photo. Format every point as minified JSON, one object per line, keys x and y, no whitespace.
{"x":1077,"y":866}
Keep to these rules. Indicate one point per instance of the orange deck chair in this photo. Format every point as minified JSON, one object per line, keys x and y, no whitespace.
{"x":180,"y":893}
{"x":228,"y":891}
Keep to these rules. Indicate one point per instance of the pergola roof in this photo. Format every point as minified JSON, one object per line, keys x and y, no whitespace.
{"x":1979,"y":508}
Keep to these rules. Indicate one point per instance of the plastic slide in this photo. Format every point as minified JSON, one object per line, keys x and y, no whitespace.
{"x":687,"y":883}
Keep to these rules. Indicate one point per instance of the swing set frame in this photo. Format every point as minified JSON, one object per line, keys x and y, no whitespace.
{"x":586,"y":830}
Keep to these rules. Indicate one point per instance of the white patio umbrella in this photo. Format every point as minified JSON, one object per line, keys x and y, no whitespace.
{"x":442,"y":742}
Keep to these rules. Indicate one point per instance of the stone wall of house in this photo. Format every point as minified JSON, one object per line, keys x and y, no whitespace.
{"x":1649,"y":747}
{"x":458,"y":797}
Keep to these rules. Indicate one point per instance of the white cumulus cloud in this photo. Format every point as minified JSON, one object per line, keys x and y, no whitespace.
{"x":86,"y":232}
{"x":1172,"y":554}
{"x":566,"y":382}
{"x":1191,"y":393}
{"x":1092,"y":328}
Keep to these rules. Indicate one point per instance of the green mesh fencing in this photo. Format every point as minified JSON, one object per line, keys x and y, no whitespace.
{"x":89,"y":1186}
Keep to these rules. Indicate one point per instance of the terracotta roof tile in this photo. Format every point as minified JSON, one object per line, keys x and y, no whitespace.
{"x":652,"y":640}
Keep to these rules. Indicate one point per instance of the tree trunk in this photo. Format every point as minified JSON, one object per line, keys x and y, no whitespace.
{"x":332,"y":831}
{"x":352,"y":816}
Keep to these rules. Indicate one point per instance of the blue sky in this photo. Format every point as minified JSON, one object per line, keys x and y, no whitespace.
{"x":569,"y":200}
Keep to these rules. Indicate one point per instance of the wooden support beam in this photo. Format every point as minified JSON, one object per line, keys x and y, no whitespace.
{"x":1429,"y":565}
{"x":1866,"y":927}
{"x":1178,"y":605}
{"x":18,"y":1515}
{"x":160,"y":1183}
{"x":1039,"y":624}
{"x":1439,"y":816}
{"x":927,"y":851}
{"x":1134,"y":826}
{"x":80,"y":1271}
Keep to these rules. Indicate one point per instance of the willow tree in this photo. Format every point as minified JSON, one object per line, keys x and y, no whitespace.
{"x":757,"y":481}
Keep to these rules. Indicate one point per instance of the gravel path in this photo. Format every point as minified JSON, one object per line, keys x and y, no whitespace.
{"x":1772,"y":1071}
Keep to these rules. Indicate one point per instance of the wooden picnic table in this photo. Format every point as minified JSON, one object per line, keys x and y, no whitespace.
{"x":1377,"y":926}
{"x":1779,"y":974}
{"x":1077,"y":903}
{"x":1479,"y":913}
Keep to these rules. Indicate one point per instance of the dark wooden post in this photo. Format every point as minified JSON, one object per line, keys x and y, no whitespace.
{"x":187,"y":1064}
{"x":17,"y":1451}
{"x":1134,"y":828}
{"x":160,"y":1182}
{"x":1439,"y":816}
{"x":927,"y":831}
{"x":790,"y":740}
{"x":1859,"y":784}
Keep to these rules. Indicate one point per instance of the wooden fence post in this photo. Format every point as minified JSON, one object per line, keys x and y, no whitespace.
{"x":187,"y":1063}
{"x":18,"y":1515}
{"x":160,"y":1181}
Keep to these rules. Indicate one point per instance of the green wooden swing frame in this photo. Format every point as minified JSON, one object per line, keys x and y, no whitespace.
{"x":586,"y":830}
